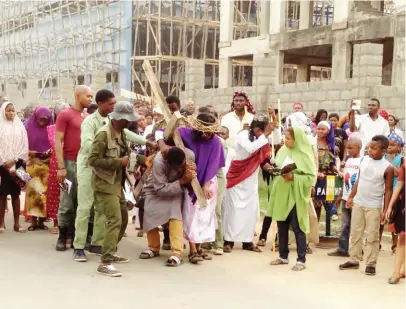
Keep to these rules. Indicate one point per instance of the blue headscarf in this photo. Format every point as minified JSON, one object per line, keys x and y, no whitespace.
{"x":330,"y":136}
{"x":394,"y":137}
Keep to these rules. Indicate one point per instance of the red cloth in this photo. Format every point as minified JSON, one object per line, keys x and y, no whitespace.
{"x":242,"y":169}
{"x":69,"y":121}
{"x":53,"y":187}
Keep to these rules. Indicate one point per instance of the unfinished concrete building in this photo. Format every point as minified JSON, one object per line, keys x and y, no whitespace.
{"x":311,"y":51}
{"x":47,"y":47}
{"x":358,"y":46}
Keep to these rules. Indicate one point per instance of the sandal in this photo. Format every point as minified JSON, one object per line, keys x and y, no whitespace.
{"x":261,"y":243}
{"x":279,"y":262}
{"x":32,"y":228}
{"x":393,"y":280}
{"x":227,"y":249}
{"x":173,"y":261}
{"x":148,"y":254}
{"x":2,"y":230}
{"x":195,"y":258}
{"x":42,"y":226}
{"x":299,"y":267}
{"x":19,"y":229}
{"x":140,"y":234}
{"x":55,"y":230}
{"x":204,"y":255}
{"x":253,"y":249}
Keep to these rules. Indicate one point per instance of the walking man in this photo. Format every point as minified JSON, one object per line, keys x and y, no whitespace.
{"x":109,"y":159}
{"x":105,"y":100}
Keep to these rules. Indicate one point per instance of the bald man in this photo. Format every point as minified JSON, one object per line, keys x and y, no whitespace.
{"x":67,"y":145}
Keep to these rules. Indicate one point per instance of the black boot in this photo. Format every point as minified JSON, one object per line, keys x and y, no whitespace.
{"x":61,"y":243}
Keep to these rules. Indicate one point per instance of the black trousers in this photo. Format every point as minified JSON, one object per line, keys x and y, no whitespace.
{"x":266,"y":224}
{"x":283,"y":230}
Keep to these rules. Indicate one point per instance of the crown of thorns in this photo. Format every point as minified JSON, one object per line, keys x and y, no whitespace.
{"x":203,"y":126}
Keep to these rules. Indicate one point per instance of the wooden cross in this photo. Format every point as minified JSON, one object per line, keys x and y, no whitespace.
{"x":172,"y":123}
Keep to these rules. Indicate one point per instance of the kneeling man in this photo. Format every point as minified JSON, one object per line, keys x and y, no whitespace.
{"x":165,"y":194}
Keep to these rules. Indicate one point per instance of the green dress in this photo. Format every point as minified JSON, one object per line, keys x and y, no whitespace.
{"x":286,"y":194}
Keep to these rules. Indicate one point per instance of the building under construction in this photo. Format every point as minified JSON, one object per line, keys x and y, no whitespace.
{"x":49,"y":46}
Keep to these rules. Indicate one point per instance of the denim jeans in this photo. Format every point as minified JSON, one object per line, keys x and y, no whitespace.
{"x":343,"y":243}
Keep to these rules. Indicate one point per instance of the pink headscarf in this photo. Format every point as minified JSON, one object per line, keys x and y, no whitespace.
{"x":13,"y":137}
{"x":384,"y":114}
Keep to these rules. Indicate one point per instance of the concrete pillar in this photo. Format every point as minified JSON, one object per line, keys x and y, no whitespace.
{"x":225,"y":73}
{"x":398,"y":65}
{"x":376,"y":4}
{"x":340,"y":68}
{"x":303,"y":73}
{"x":264,"y":17}
{"x":226,"y":20}
{"x":306,"y":14}
{"x":98,"y":80}
{"x":341,"y":14}
{"x":367,"y":64}
{"x":277,"y":20}
{"x":66,"y":89}
{"x":194,"y":76}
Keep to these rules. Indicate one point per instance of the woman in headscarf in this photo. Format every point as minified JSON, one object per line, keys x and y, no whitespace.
{"x":291,"y":193}
{"x":38,"y":166}
{"x":52,"y":195}
{"x":393,"y":122}
{"x":13,"y":155}
{"x":298,"y":120}
{"x":326,"y":166}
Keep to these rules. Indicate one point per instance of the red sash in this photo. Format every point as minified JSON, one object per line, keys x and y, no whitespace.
{"x":242,"y":169}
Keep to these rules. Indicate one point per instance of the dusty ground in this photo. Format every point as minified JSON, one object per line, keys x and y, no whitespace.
{"x":34,"y":275}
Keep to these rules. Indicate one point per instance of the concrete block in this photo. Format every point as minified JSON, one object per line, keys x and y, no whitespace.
{"x":370,"y":49}
{"x":296,"y":96}
{"x":321,"y":95}
{"x":328,"y":85}
{"x":373,"y":80}
{"x":333,"y":95}
{"x":383,"y":91}
{"x":308,"y":96}
{"x":285,"y":97}
{"x":327,"y":105}
{"x":374,"y":71}
{"x":373,"y":60}
{"x":345,"y":95}
{"x":342,"y":84}
{"x":354,"y":82}
{"x":303,"y":86}
{"x":397,"y":102}
{"x":339,"y":105}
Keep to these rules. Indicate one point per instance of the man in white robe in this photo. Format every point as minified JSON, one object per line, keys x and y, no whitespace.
{"x":241,"y":201}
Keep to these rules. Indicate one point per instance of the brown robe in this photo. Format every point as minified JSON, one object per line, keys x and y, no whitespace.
{"x":164,"y":196}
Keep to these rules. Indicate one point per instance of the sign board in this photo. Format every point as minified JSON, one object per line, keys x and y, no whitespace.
{"x":328,"y":188}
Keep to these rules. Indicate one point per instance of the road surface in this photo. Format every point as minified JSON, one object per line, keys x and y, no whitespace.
{"x":34,"y":275}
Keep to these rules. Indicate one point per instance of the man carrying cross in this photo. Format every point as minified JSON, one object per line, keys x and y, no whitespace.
{"x":200,"y":222}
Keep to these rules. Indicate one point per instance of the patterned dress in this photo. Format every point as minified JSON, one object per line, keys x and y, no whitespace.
{"x":53,"y":187}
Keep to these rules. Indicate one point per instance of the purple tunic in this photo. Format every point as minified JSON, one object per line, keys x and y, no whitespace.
{"x":209,"y":155}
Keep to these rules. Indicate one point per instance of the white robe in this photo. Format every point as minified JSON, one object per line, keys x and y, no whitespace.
{"x":241,"y":202}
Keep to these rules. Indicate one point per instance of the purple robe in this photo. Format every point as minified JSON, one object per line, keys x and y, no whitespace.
{"x":209,"y":155}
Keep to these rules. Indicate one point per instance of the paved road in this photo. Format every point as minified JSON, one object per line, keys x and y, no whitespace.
{"x":33,"y":275}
